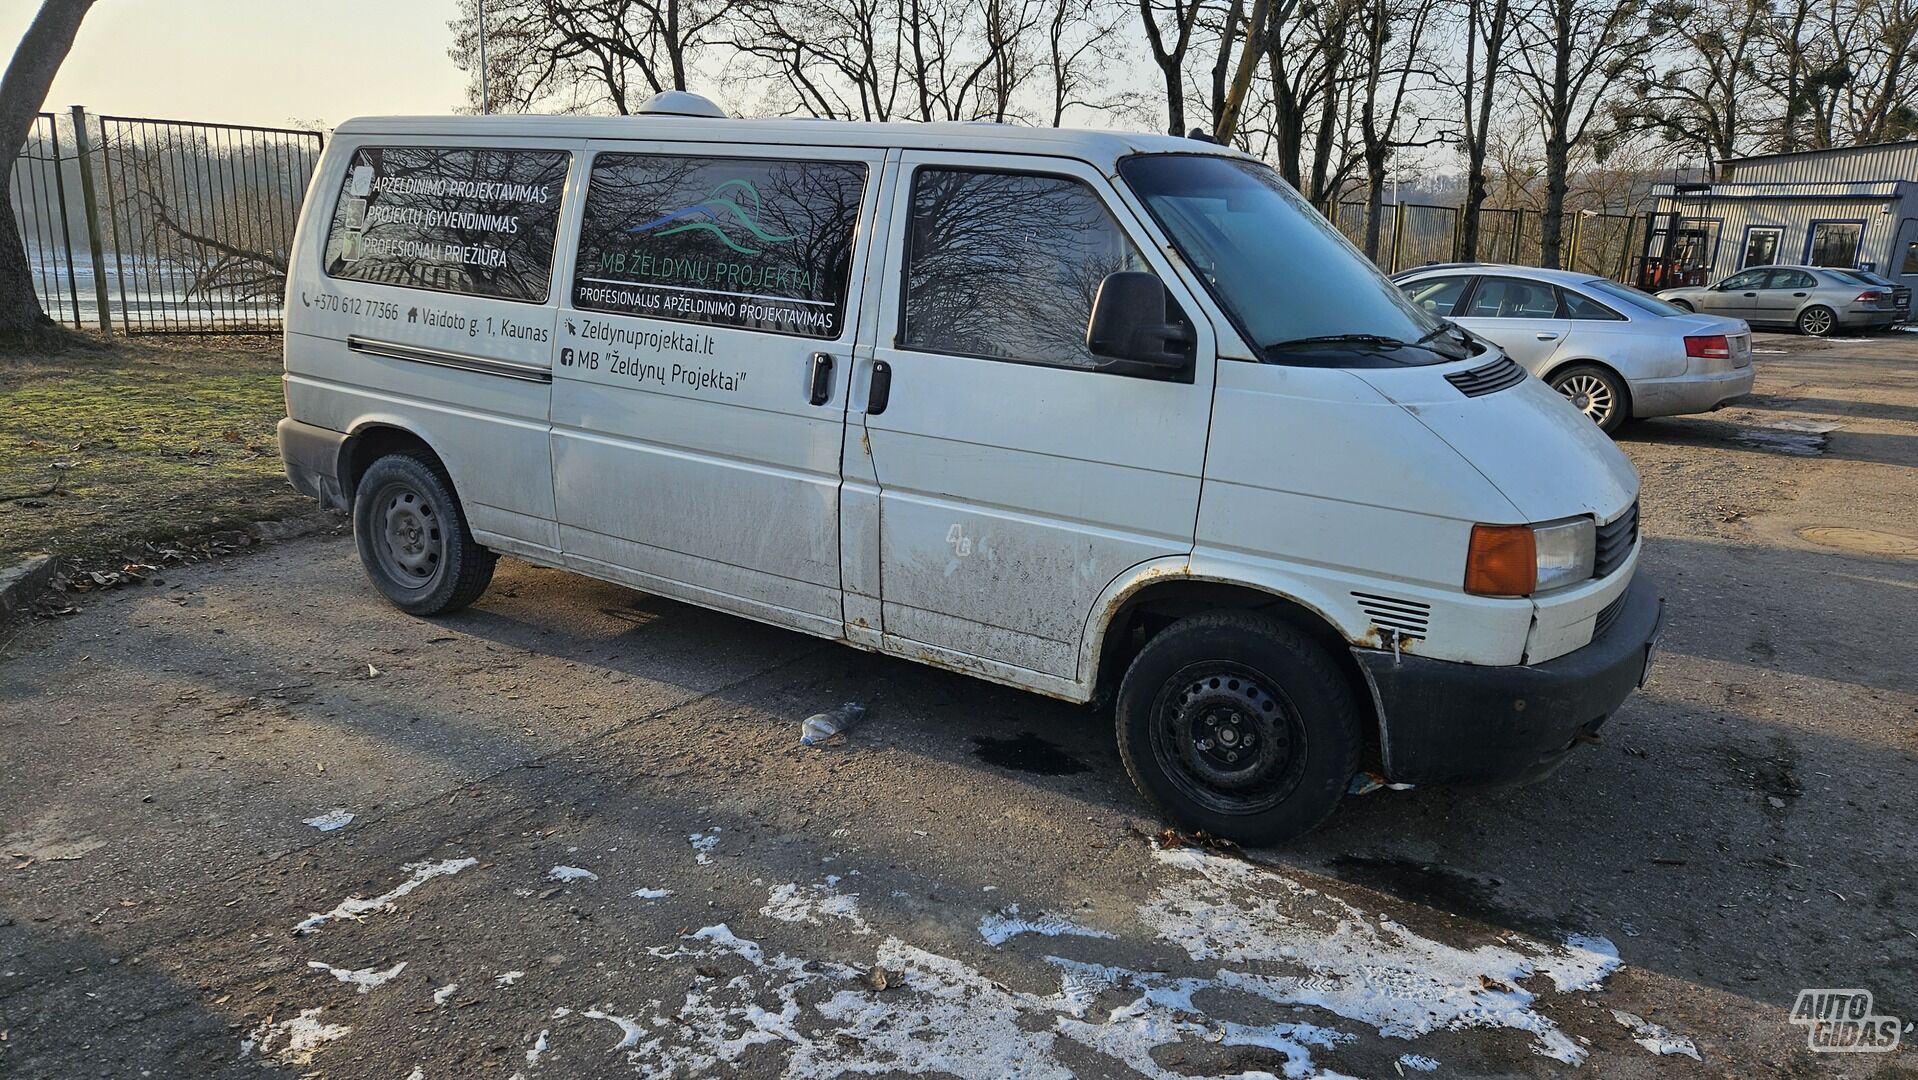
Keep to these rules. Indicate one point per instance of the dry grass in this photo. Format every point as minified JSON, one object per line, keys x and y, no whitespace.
{"x":149,"y":440}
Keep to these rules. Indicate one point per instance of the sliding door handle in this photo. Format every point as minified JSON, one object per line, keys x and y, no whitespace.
{"x":880,"y":392}
{"x":820,"y":387}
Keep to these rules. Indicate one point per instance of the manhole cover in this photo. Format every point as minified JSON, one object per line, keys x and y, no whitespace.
{"x":1869,"y":541}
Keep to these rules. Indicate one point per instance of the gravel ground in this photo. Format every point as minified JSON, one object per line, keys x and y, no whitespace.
{"x":583,"y":839}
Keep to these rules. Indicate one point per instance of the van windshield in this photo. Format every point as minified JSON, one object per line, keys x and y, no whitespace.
{"x":1296,"y":288}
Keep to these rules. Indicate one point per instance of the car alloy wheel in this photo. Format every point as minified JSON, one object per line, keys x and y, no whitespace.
{"x":1817,"y":321}
{"x":1590,"y":395}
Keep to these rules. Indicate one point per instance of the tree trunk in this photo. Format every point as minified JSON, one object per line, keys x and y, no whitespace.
{"x":1551,"y":222}
{"x":22,"y":93}
{"x":1374,"y":205}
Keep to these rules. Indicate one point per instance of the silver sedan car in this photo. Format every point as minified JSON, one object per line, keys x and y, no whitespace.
{"x":1817,"y":300}
{"x":1617,"y":353}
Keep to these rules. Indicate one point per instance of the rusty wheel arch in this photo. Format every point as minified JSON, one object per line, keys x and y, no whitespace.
{"x":1157,"y":604}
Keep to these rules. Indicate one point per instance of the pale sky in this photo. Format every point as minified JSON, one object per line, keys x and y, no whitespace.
{"x":254,"y":61}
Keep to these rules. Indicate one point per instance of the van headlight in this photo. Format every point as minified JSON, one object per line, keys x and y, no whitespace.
{"x":1519,"y":560}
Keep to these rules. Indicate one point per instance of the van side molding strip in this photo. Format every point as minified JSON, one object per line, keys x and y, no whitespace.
{"x":421,"y":354}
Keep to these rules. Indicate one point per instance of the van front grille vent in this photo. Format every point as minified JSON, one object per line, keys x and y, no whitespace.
{"x":1407,"y":618}
{"x":1616,"y":538}
{"x":1488,"y":378}
{"x":1607,"y":616}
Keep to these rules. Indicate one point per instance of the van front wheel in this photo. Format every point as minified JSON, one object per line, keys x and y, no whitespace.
{"x":413,"y":538}
{"x":1236,"y":724}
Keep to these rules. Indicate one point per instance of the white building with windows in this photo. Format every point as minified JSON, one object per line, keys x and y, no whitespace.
{"x":1850,"y":207}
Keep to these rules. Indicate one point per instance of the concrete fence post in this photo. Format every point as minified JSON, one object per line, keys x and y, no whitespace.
{"x":83,"y":152}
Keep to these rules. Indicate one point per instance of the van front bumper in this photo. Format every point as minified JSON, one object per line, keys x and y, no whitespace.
{"x":312,"y":458}
{"x":1443,"y":722}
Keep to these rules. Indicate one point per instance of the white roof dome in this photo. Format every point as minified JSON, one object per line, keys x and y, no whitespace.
{"x":681,"y":103}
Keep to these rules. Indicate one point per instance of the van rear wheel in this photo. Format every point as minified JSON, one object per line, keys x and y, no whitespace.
{"x":1239,"y":725}
{"x":413,"y":537}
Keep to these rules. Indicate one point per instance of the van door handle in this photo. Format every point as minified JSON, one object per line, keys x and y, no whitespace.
{"x":1547,"y":336}
{"x":880,"y":392}
{"x":821,"y":386}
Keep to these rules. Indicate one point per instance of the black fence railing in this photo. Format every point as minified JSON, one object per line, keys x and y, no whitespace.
{"x":38,"y":196}
{"x":200,"y":219}
{"x":160,"y":226}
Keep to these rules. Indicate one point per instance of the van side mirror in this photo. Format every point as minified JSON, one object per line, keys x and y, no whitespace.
{"x":1131,"y":322}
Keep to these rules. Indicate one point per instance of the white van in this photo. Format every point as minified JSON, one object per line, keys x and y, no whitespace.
{"x":1084,"y":413}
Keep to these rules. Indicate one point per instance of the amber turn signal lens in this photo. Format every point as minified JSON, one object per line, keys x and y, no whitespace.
{"x":1502,"y":561}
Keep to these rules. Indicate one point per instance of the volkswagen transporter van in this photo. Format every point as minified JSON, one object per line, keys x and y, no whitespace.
{"x":1101,"y":416}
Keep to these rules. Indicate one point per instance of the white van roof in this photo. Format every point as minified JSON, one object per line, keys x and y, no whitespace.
{"x":1099,"y":147}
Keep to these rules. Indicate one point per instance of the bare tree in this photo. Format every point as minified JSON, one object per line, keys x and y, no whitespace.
{"x":585,"y":55}
{"x":1081,"y":41}
{"x":1305,"y":77}
{"x":838,"y":59}
{"x":1394,"y":60}
{"x":1703,"y":101}
{"x":1170,"y":46}
{"x":1570,"y":54}
{"x":23,"y":91}
{"x":1486,"y":25}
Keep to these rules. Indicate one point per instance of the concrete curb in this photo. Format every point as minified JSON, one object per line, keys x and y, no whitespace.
{"x":23,"y":581}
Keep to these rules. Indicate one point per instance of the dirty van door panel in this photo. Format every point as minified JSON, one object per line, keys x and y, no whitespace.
{"x":434,"y":311}
{"x":699,"y":398}
{"x":1016,"y":479}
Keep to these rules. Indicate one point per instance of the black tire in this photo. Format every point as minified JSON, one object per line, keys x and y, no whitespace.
{"x":1817,"y":321}
{"x":1596,"y":392}
{"x":1686,"y":304}
{"x":413,"y":537}
{"x":1260,"y":686}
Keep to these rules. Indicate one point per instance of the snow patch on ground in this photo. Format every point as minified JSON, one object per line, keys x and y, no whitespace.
{"x":1294,"y":945}
{"x":1005,"y":924}
{"x":1271,"y":952}
{"x":508,"y":978}
{"x":332,"y":819}
{"x":356,"y":908}
{"x":571,"y":873}
{"x":539,"y":1047}
{"x":293,"y":1041}
{"x":441,"y":995}
{"x":651,"y":894}
{"x":362,"y":980}
{"x":814,"y":904}
{"x":1655,"y":1038}
{"x":703,"y":845}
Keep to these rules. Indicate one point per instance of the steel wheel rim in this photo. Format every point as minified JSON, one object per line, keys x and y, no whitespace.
{"x":1818,"y":322}
{"x":1590,"y":395}
{"x":1227,"y":738}
{"x":411,"y":538}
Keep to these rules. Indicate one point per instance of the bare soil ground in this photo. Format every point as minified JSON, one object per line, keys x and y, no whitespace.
{"x":585,"y":842}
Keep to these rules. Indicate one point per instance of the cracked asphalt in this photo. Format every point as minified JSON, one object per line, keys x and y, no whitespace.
{"x":587,"y":842}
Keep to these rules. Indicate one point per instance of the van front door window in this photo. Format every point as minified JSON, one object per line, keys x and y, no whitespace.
{"x":1006,"y":265}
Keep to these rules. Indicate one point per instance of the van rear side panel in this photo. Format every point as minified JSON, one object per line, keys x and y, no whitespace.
{"x":422,"y":299}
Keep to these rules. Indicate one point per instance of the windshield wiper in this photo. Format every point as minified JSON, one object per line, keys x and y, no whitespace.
{"x":1375,"y":341}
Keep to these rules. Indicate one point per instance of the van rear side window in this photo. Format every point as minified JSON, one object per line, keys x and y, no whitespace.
{"x":755,"y":244}
{"x":480,"y":222}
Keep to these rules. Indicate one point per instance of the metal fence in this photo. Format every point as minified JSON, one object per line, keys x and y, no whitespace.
{"x":38,"y":200}
{"x":161,"y":226}
{"x":200,"y":218}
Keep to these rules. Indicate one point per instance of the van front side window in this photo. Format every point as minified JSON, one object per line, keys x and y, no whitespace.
{"x":1006,"y":265}
{"x":470,"y":221}
{"x":739,"y":242}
